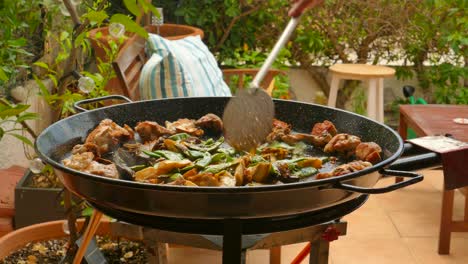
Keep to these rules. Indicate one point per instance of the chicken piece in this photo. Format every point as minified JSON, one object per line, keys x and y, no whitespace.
{"x":278,"y":153}
{"x":239,"y":173}
{"x":107,"y":135}
{"x":369,"y":151}
{"x":106,"y":170}
{"x":344,"y":144}
{"x":226,"y":179}
{"x":311,"y":139}
{"x":258,"y":173}
{"x":279,"y":129}
{"x":88,"y":147}
{"x":79,"y":161}
{"x":150,"y":131}
{"x":345,"y":169}
{"x":185,"y":125}
{"x":325,"y":127}
{"x":182,"y":182}
{"x":210,"y":122}
{"x":84,"y":162}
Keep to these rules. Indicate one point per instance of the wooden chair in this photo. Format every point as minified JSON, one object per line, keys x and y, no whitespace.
{"x":127,"y":66}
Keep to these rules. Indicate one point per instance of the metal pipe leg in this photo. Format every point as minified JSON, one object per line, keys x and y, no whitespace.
{"x":89,"y":233}
{"x":319,"y":251}
{"x":232,"y":242}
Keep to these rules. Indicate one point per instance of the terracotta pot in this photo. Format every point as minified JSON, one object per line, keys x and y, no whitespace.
{"x":169,"y":31}
{"x":39,"y":232}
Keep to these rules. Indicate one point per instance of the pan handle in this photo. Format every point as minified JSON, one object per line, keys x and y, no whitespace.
{"x":78,"y":108}
{"x":414,"y":178}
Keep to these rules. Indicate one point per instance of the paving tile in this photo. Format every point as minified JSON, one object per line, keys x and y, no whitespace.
{"x":370,"y":221}
{"x":424,"y":250}
{"x":349,"y":250}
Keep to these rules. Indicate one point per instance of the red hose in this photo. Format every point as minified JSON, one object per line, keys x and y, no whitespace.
{"x":302,"y":255}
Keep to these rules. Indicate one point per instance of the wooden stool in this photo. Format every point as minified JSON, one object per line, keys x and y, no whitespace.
{"x":372,"y":74}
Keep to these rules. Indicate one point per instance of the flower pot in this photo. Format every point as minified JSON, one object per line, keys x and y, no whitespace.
{"x":36,"y":205}
{"x":100,"y":37}
{"x":39,"y":232}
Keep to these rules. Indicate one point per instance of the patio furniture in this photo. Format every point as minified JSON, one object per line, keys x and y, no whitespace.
{"x":372,"y":74}
{"x":132,"y":58}
{"x":430,"y":120}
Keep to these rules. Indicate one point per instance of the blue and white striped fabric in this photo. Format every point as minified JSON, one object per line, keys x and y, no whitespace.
{"x":180,"y":68}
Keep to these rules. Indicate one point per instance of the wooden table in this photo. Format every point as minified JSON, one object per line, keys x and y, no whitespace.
{"x":430,"y":120}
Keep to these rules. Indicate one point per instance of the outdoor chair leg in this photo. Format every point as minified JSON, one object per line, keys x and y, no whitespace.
{"x":89,"y":233}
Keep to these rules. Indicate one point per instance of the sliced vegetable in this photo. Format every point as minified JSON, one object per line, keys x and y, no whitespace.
{"x":208,"y":145}
{"x":205,"y":161}
{"x":179,"y":136}
{"x":305,"y":172}
{"x":218,"y":167}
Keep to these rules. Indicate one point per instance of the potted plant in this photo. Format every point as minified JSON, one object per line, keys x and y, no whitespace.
{"x":46,"y":243}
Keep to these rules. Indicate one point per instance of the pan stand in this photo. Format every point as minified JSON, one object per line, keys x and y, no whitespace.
{"x":232,"y":242}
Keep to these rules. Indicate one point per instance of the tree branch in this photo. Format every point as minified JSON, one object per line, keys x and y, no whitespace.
{"x":231,"y":25}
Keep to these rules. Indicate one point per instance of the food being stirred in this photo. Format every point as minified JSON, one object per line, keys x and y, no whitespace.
{"x":189,"y":152}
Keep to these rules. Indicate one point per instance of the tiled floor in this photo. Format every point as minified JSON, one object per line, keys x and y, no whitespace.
{"x":397,"y":227}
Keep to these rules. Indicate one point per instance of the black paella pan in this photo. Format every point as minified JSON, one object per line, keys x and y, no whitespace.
{"x":56,"y":142}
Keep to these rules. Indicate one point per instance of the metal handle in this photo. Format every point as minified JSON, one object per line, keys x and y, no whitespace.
{"x":275,"y":51}
{"x":414,"y":178}
{"x":78,"y":108}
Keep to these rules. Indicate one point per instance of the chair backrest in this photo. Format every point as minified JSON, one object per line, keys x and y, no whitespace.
{"x":239,"y":82}
{"x":128,"y":65}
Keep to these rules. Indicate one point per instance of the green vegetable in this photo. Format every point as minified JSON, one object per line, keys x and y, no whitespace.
{"x":194,"y":154}
{"x":180,"y":136}
{"x":218,"y":167}
{"x":170,"y":155}
{"x":175,"y":176}
{"x":305,"y":172}
{"x":205,"y":161}
{"x":278,"y":144}
{"x":208,"y":145}
{"x":138,"y":167}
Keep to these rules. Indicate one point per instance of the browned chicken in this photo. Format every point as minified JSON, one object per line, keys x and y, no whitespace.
{"x":211,"y":123}
{"x":87,"y":147}
{"x":343,"y":144}
{"x":107,"y":135}
{"x":185,"y":125}
{"x":326,"y":127}
{"x":150,"y":131}
{"x":345,"y":169}
{"x":369,"y":151}
{"x":279,"y":129}
{"x":85,"y":162}
{"x":317,"y":141}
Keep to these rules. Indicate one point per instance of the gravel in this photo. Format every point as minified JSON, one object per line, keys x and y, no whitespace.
{"x":52,"y":251}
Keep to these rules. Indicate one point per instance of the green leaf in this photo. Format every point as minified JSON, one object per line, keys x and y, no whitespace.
{"x":17,"y":42}
{"x":148,"y":6}
{"x":96,"y":16}
{"x":3,"y":76}
{"x":41,"y":64}
{"x":24,"y":139}
{"x":27,"y":116}
{"x":88,"y":211}
{"x":132,"y":6}
{"x":13,"y":111}
{"x":2,"y":133}
{"x":129,"y":24}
